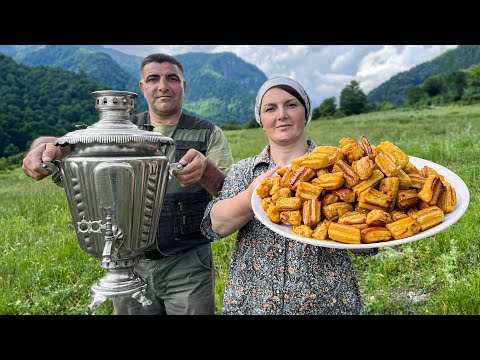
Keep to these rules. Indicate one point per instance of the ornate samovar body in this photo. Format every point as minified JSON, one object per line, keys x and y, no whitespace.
{"x":114,"y":179}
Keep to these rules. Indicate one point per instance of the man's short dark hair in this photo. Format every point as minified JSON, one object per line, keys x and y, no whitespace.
{"x":160,"y":58}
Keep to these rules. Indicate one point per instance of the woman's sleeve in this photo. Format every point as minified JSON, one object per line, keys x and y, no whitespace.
{"x":234,"y":183}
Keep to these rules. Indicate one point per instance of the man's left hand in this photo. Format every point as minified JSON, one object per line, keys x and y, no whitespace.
{"x":194,"y":164}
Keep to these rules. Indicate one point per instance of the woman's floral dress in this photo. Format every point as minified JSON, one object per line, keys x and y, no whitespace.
{"x":271,"y":274}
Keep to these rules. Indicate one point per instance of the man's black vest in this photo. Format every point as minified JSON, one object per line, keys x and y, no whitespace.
{"x":182,"y":211}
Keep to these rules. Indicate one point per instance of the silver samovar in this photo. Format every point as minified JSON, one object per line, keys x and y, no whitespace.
{"x":114,"y":179}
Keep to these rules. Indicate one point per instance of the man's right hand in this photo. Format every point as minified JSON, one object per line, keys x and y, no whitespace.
{"x":39,"y":154}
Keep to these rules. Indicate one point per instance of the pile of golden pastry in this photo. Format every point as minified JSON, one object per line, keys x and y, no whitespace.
{"x":356,"y":193}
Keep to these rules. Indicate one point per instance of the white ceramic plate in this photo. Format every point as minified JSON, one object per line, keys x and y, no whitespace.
{"x":463,"y":199}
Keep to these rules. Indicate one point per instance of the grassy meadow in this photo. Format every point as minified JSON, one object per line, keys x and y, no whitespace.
{"x":43,"y":270}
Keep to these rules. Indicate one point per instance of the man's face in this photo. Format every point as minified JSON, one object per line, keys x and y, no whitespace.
{"x":163,"y":87}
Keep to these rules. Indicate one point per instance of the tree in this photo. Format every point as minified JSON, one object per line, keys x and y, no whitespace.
{"x":10,"y":150}
{"x":252,"y":124}
{"x":457,"y":82}
{"x":473,"y":79}
{"x":434,"y":85}
{"x":352,"y":99}
{"x":415,"y":95}
{"x":326,"y":108}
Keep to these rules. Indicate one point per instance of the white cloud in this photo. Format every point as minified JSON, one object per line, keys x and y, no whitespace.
{"x":331,"y":83}
{"x":379,"y":66}
{"x":341,"y":60}
{"x":324,"y":70}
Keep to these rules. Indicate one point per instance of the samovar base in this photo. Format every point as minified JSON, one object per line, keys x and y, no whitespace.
{"x":116,"y":283}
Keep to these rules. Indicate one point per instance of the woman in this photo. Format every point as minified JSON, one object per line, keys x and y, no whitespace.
{"x":271,"y":274}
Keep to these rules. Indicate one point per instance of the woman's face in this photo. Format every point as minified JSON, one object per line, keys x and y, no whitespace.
{"x":282,"y":116}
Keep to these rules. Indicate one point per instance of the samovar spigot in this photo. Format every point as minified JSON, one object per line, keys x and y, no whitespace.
{"x":113,"y":236}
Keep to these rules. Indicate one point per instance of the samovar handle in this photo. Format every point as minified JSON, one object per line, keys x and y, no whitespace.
{"x":54,"y":168}
{"x":174,"y":167}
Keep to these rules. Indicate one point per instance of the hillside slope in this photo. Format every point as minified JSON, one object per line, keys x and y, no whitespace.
{"x":396,"y":89}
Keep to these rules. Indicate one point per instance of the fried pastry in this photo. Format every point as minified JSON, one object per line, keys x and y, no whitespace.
{"x":377,"y":218}
{"x":407,"y":198}
{"x":431,"y":189}
{"x":321,"y":231}
{"x":302,"y":174}
{"x":344,"y":233}
{"x":375,"y":234}
{"x":429,"y":217}
{"x":404,"y":228}
{"x":330,"y":181}
{"x":447,"y":199}
{"x":302,"y":230}
{"x":311,"y":212}
{"x":288,"y":204}
{"x":315,"y":160}
{"x":352,"y":217}
{"x":263,"y":189}
{"x":387,"y":164}
{"x":291,"y":217}
{"x":335,"y":210}
{"x":308,"y":191}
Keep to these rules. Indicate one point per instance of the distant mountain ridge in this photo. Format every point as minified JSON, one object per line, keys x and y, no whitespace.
{"x":97,"y":65}
{"x":396,"y":89}
{"x":221,"y":87}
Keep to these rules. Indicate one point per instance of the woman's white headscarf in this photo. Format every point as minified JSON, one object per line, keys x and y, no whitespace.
{"x":282,"y":81}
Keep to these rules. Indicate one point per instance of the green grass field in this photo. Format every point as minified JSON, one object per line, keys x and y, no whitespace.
{"x":44,"y":271}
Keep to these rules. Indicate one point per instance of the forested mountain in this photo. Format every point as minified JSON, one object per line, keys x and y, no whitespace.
{"x":98,"y":66}
{"x":37,"y":101}
{"x":129,"y":63}
{"x":395,"y":90}
{"x":220,"y":87}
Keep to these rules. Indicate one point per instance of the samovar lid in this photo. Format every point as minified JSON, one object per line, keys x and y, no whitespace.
{"x":114,"y":108}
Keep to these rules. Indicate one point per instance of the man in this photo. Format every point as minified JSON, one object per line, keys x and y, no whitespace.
{"x":179,"y":269}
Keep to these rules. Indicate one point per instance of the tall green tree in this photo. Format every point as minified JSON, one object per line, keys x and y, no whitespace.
{"x":457,"y":83}
{"x":473,"y":78}
{"x":434,"y":85}
{"x":415,"y":95}
{"x":326,"y":108}
{"x":352,"y":99}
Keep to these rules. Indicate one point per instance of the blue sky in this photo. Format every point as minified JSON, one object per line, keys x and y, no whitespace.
{"x":323,"y":70}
